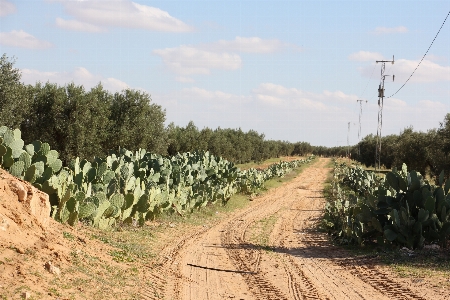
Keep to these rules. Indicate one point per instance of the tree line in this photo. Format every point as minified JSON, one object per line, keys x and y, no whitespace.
{"x":425,"y":152}
{"x":81,"y":123}
{"x":87,"y":123}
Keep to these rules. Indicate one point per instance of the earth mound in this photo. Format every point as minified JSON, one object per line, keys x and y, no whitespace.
{"x":35,"y":250}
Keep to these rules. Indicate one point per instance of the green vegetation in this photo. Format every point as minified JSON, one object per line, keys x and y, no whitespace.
{"x":122,"y":186}
{"x":127,"y":187}
{"x":401,"y":208}
{"x":135,"y":250}
{"x":233,"y":144}
{"x":81,"y":123}
{"x":424,"y":152}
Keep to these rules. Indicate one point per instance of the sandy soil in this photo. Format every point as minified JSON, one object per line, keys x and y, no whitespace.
{"x":39,"y":262}
{"x":272,"y":250}
{"x":268,"y":250}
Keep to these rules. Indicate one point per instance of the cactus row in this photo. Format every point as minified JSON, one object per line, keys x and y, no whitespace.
{"x":128,"y":187}
{"x":400,"y":208}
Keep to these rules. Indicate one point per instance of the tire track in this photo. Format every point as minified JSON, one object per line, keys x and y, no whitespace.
{"x":223,"y":261}
{"x":300,"y":287}
{"x":164,"y":274}
{"x":316,"y":275}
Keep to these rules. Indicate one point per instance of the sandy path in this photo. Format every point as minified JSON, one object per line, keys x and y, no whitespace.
{"x":271,"y":250}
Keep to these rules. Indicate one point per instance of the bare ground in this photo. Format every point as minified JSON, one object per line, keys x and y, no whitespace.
{"x":270,"y":249}
{"x":273,"y":250}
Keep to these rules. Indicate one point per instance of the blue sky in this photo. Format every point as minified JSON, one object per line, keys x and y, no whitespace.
{"x":292,"y":70}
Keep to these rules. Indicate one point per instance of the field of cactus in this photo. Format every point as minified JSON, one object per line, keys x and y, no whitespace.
{"x":400,"y":208}
{"x":129,"y":187}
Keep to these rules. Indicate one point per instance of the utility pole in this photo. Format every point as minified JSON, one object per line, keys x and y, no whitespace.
{"x":359,"y":129}
{"x":380,"y":110}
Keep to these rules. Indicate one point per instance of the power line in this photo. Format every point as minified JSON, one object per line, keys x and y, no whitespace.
{"x":369,"y":80}
{"x":359,"y":130}
{"x":422,"y":57}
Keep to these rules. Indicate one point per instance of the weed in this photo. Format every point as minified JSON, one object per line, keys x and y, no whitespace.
{"x":55,"y":292}
{"x":121,"y":256}
{"x":68,"y":235}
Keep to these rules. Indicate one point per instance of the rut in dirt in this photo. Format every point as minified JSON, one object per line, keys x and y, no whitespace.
{"x":295,"y":261}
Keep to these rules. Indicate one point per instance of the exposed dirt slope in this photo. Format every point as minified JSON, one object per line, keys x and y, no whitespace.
{"x":272,"y":250}
{"x":39,"y":256}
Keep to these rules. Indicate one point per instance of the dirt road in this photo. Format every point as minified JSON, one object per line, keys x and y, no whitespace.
{"x":272,"y":250}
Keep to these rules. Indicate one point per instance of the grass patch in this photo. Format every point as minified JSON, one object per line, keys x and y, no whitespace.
{"x":434,"y":265}
{"x":261,"y":231}
{"x":420,"y":264}
{"x":68,"y":235}
{"x":131,"y":243}
{"x":207,"y":214}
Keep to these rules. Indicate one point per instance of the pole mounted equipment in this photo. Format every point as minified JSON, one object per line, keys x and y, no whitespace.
{"x":380,"y":110}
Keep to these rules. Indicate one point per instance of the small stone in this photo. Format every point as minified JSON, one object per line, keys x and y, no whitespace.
{"x":20,"y":250}
{"x":26,"y":295}
{"x":51,"y":268}
{"x":20,"y":190}
{"x":4,"y":223}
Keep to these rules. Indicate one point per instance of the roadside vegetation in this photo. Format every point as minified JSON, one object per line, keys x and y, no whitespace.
{"x":135,"y":249}
{"x":399,"y":218}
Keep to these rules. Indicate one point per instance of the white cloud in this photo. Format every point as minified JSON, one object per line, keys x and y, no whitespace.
{"x":248,"y":45}
{"x":218,"y":98}
{"x":184,"y":79}
{"x":79,"y":76}
{"x":6,"y":8}
{"x":22,"y":39}
{"x":428,"y":71}
{"x":186,"y":60}
{"x":437,"y":58}
{"x":394,"y":103}
{"x":284,"y":113}
{"x":77,"y":25}
{"x":428,"y":104}
{"x":200,"y":59}
{"x":399,"y":114}
{"x":365,"y":56}
{"x":387,"y":30}
{"x":123,"y":13}
{"x":279,"y":95}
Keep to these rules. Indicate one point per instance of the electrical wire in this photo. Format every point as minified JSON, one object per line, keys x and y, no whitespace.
{"x":368,"y":80}
{"x":422,"y":57}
